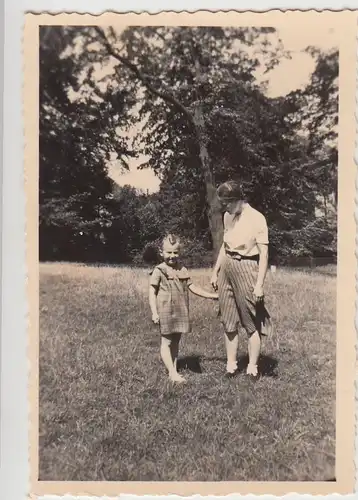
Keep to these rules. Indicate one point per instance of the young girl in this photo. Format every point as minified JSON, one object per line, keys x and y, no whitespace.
{"x":169,"y":302}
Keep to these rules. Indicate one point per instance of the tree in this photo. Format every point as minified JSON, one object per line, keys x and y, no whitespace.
{"x":317,"y":114}
{"x":314,"y":111}
{"x":250,"y":139}
{"x":201,"y":118}
{"x":175,"y":68}
{"x":123,"y":235}
{"x":77,"y":137}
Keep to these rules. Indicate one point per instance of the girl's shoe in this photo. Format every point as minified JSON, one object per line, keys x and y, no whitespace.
{"x":178,"y":379}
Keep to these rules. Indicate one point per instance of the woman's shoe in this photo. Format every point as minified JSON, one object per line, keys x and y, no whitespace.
{"x":252,"y":373}
{"x":231,"y":374}
{"x":253,"y":378}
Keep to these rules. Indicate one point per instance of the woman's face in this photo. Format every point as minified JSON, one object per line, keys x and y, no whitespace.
{"x":232,"y":206}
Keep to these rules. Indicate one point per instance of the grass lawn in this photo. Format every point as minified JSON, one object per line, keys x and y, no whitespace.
{"x":107,"y":411}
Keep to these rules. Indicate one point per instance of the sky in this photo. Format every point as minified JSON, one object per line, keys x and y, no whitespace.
{"x":290,"y":74}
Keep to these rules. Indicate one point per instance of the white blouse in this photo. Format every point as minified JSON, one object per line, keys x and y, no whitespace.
{"x":243,"y":232}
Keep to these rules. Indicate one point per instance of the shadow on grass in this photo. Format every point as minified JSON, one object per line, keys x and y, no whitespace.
{"x":267,"y":365}
{"x":191,"y":363}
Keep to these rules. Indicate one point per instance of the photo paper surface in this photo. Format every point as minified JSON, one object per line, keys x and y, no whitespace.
{"x":190,"y":186}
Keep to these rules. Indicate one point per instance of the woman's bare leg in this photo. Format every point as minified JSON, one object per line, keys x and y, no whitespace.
{"x":231,"y":344}
{"x":254,"y":347}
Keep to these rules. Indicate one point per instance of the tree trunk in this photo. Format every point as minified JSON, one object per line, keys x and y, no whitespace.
{"x":325,"y":207}
{"x":214,"y":212}
{"x":214,"y":209}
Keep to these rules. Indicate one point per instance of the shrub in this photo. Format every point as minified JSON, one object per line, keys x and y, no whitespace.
{"x":195,"y":254}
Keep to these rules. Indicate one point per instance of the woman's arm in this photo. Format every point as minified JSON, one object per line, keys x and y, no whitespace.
{"x":153,"y":304}
{"x":263,"y":265}
{"x":219,"y":260}
{"x":202,"y":293}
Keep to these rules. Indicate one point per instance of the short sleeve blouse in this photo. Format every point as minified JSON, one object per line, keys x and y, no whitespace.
{"x":243,"y":234}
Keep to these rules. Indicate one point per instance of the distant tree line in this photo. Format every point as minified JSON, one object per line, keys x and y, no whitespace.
{"x":201,"y":118}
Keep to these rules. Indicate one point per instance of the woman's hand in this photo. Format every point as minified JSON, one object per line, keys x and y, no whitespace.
{"x":214,"y":280}
{"x":258,"y":293}
{"x":155,"y":319}
{"x":219,"y":260}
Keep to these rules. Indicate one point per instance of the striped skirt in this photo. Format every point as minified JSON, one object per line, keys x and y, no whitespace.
{"x":236,"y":282}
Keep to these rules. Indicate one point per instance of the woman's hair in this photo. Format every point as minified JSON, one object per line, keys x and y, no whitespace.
{"x":230,"y":190}
{"x":172,"y":239}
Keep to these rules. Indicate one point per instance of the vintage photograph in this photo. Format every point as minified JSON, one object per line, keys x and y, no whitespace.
{"x":188,"y":250}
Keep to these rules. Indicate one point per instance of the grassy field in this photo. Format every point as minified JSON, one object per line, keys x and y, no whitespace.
{"x":107,"y":411}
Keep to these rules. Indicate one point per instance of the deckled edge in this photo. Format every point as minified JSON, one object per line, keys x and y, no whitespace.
{"x":184,"y":11}
{"x":356,"y":275}
{"x":231,"y":496}
{"x":30,"y":374}
{"x":89,"y":496}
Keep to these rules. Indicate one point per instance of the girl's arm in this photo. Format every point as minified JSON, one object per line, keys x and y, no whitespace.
{"x":202,"y":293}
{"x":153,"y":304}
{"x":263,"y":265}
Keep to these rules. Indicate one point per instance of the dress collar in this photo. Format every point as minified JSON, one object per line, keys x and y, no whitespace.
{"x":171,"y":273}
{"x":237,"y":216}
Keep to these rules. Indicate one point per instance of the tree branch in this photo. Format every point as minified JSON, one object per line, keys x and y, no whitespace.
{"x":145,"y":79}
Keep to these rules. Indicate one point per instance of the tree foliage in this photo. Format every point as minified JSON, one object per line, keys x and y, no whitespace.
{"x":201,"y":117}
{"x":77,"y":137}
{"x":179,"y":71}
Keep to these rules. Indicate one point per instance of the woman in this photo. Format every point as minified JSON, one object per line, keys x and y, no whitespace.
{"x":239,"y":276}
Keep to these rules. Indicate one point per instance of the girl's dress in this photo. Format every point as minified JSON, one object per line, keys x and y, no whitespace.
{"x":172,"y":298}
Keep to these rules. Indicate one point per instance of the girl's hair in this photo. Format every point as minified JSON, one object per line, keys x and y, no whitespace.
{"x":230,"y":190}
{"x":172,"y":239}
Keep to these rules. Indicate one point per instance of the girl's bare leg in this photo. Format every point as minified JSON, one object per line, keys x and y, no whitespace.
{"x":167,"y":357}
{"x":166,"y":354}
{"x":231,"y":344}
{"x":175,"y":349}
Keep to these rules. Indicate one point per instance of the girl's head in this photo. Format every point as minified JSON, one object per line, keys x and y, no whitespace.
{"x":231,"y":197}
{"x":171,"y":249}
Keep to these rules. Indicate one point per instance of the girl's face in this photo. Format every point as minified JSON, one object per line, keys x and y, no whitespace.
{"x":171,"y":253}
{"x":232,"y":206}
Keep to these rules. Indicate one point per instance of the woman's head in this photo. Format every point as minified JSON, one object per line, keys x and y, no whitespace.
{"x":230,"y":196}
{"x":171,"y":249}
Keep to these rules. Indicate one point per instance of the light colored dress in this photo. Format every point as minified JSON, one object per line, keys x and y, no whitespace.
{"x":172,"y":286}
